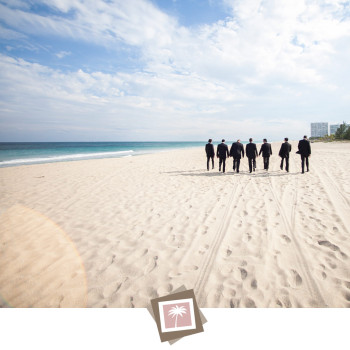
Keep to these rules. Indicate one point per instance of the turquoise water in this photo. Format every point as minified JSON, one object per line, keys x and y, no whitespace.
{"x":22,"y":153}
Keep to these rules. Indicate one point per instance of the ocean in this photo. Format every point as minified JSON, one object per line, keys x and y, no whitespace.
{"x":22,"y":153}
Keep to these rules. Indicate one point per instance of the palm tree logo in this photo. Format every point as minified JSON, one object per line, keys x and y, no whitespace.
{"x":176,"y":311}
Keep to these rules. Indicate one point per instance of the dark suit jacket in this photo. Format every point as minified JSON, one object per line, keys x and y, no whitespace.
{"x":250,"y":150}
{"x":304,"y":147}
{"x":237,"y":150}
{"x":285,"y":149}
{"x":222,"y":150}
{"x":265,"y":150}
{"x":209,"y":150}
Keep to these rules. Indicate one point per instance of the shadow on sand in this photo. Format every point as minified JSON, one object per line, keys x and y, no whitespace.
{"x":213,"y":173}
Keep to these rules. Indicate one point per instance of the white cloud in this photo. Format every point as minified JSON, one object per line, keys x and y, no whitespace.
{"x":63,"y":54}
{"x":9,"y":34}
{"x":268,"y":61}
{"x":17,"y":4}
{"x":134,"y":22}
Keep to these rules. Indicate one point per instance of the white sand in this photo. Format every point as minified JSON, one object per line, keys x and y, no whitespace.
{"x":119,"y":232}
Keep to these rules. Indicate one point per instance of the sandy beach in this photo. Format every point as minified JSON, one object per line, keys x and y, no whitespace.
{"x":119,"y":232}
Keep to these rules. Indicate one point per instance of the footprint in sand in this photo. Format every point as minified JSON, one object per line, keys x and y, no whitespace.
{"x":254,"y":284}
{"x":165,"y":289}
{"x":170,"y":239}
{"x":331,"y":264}
{"x":296,"y":279}
{"x":244,"y":273}
{"x":344,"y":256}
{"x":346,"y":296}
{"x":279,"y":303}
{"x":228,"y":252}
{"x":286,"y":238}
{"x":249,"y":303}
{"x":329,"y":245}
{"x":287,"y":302}
{"x":203,"y":249}
{"x":247,"y":237}
{"x":151,"y":265}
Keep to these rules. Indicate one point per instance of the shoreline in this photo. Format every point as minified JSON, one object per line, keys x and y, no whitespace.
{"x":38,"y":162}
{"x":88,"y":156}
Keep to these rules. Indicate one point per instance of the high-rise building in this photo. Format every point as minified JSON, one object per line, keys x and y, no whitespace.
{"x":333,"y":128}
{"x":319,"y":129}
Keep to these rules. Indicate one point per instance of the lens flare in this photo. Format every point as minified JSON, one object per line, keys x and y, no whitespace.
{"x":40,"y":266}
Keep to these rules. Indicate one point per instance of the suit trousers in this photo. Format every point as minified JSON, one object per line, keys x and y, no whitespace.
{"x":287,"y":163}
{"x":266,"y":163}
{"x":236,"y":163}
{"x":252,"y":164}
{"x":212,"y":161}
{"x":223,"y":162}
{"x":304,"y":159}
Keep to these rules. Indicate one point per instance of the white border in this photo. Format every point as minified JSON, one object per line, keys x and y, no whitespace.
{"x":161,"y":314}
{"x":134,"y":328}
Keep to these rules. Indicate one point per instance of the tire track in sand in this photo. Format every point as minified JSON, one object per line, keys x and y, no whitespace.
{"x":341,"y":204}
{"x":207,"y":264}
{"x":289,"y":225}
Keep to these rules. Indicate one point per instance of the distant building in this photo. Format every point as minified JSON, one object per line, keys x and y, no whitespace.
{"x":333,"y":128}
{"x":319,"y":129}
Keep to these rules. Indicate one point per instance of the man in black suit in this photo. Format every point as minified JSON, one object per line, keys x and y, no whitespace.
{"x":266,"y":151}
{"x":251,"y":152}
{"x":209,"y":150}
{"x":237,"y":151}
{"x":221,"y":153}
{"x":286,"y":147}
{"x":304,"y":149}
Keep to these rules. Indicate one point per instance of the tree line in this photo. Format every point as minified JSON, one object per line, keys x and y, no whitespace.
{"x":343,"y":132}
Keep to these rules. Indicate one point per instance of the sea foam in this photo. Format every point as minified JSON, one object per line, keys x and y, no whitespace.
{"x":65,"y":157}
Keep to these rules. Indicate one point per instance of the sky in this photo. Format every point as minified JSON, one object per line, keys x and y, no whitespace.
{"x":172,"y":70}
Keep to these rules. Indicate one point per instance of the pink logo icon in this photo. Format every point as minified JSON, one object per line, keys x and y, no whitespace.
{"x":177,"y":315}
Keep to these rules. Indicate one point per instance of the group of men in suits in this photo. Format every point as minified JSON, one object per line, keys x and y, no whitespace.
{"x":237,"y":153}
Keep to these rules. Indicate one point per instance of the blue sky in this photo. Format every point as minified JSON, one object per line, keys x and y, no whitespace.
{"x":93,"y":70}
